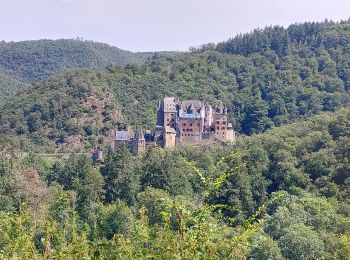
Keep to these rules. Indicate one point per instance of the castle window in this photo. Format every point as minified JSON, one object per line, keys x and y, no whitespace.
{"x":167,"y":119}
{"x":184,"y":124}
{"x":217,"y":122}
{"x":223,"y":128}
{"x":217,"y":127}
{"x":190,"y":124}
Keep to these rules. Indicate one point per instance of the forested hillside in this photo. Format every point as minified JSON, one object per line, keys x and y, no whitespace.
{"x":283,"y":194}
{"x":30,"y":61}
{"x":263,"y":87}
{"x":36,"y":60}
{"x":9,"y":86}
{"x":62,"y":114}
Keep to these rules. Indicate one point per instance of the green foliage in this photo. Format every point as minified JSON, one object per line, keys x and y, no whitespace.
{"x":114,"y":219}
{"x":25,"y":62}
{"x":72,"y":115}
{"x":300,"y":241}
{"x":36,"y":60}
{"x":187,"y":203}
{"x":264,"y":247}
{"x":285,"y":77}
{"x":283,"y":194}
{"x":121,"y":176}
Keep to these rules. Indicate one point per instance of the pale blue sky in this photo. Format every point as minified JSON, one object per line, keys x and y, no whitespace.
{"x":150,"y":25}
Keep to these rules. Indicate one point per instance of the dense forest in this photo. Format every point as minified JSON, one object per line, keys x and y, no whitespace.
{"x":282,"y":191}
{"x":29,"y":61}
{"x":264,"y":87}
{"x":283,"y":194}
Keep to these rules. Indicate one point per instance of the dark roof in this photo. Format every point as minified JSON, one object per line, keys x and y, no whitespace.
{"x":122,"y":135}
{"x":139,"y":134}
{"x":187,"y":103}
{"x":169,"y":129}
{"x":191,"y":109}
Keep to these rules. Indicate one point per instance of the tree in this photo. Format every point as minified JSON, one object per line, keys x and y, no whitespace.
{"x":114,"y":219}
{"x":121,"y":176}
{"x":264,"y":247}
{"x":301,"y":242}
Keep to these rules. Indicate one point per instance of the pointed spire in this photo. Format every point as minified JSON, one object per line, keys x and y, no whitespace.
{"x":220,"y":108}
{"x":139,"y":134}
{"x":191,"y":109}
{"x":221,"y":105}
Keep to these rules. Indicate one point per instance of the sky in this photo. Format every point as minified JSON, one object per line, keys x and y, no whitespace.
{"x":156,"y":25}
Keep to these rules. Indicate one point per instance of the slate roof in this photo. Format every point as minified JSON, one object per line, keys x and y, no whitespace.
{"x":169,"y":129}
{"x":187,"y":103}
{"x":139,"y":134}
{"x":122,"y":135}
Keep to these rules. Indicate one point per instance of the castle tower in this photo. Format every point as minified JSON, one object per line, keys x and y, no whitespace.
{"x":160,"y":114}
{"x":169,"y":137}
{"x":169,"y":108}
{"x":208,"y":118}
{"x":138,"y":143}
{"x":230,"y":134}
{"x":221,"y":125}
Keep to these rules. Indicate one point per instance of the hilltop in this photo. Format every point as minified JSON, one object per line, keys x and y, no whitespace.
{"x":25,"y":62}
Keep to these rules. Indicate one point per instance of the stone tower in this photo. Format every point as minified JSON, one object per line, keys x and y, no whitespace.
{"x":169,"y":108}
{"x":138,"y":143}
{"x":169,"y":137}
{"x":220,"y":121}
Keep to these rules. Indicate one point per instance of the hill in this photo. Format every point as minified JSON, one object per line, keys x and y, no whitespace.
{"x":28,"y":61}
{"x":10,"y":85}
{"x":263,"y":88}
{"x":37,"y":60}
{"x":62,"y":113}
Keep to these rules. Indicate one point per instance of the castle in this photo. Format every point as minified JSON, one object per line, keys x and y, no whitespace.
{"x":188,"y":122}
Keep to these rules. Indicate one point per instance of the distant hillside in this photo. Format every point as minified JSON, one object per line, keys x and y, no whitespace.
{"x":36,"y":60}
{"x":9,"y":85}
{"x":264,"y":88}
{"x":29,"y":61}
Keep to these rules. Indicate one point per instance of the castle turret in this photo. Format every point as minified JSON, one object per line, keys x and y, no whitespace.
{"x":138,"y":142}
{"x":191,"y":109}
{"x":220,"y":108}
{"x":208,"y":115}
{"x":225,"y":110}
{"x":160,"y":114}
